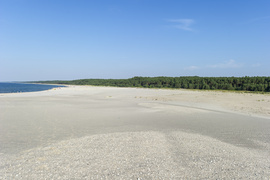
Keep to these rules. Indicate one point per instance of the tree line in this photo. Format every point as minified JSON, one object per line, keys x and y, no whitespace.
{"x":187,"y":82}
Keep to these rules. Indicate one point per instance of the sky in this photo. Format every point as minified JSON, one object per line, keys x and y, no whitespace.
{"x":80,"y":39}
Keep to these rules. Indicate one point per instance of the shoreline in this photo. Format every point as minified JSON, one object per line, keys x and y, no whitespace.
{"x":19,"y":92}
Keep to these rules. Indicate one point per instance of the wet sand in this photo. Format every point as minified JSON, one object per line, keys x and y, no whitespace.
{"x":118,"y":133}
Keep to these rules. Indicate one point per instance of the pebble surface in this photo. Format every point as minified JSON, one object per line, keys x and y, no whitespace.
{"x":138,"y":155}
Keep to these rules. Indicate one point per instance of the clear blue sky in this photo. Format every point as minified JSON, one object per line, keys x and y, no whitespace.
{"x":75,"y":39}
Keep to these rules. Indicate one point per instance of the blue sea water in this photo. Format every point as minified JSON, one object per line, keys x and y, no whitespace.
{"x":23,"y":87}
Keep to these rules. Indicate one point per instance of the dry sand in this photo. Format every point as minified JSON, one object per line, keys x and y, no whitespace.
{"x":84,"y":132}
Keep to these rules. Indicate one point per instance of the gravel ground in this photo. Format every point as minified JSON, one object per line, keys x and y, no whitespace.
{"x":138,"y":155}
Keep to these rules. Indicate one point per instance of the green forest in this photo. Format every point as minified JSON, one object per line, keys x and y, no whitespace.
{"x":261,"y":84}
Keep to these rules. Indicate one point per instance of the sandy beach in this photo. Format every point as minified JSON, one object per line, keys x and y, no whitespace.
{"x":85,"y":132}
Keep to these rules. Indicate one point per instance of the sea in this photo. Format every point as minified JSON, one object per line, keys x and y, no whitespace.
{"x":24,"y":87}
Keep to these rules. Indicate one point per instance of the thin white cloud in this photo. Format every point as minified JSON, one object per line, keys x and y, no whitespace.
{"x":256,"y":65}
{"x":228,"y":64}
{"x":258,"y":19}
{"x":183,"y":24}
{"x":191,"y":68}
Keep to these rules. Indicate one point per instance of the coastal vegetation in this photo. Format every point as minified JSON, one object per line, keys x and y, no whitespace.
{"x":261,"y":84}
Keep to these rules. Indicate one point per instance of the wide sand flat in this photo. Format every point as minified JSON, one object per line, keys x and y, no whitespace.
{"x":84,"y":132}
